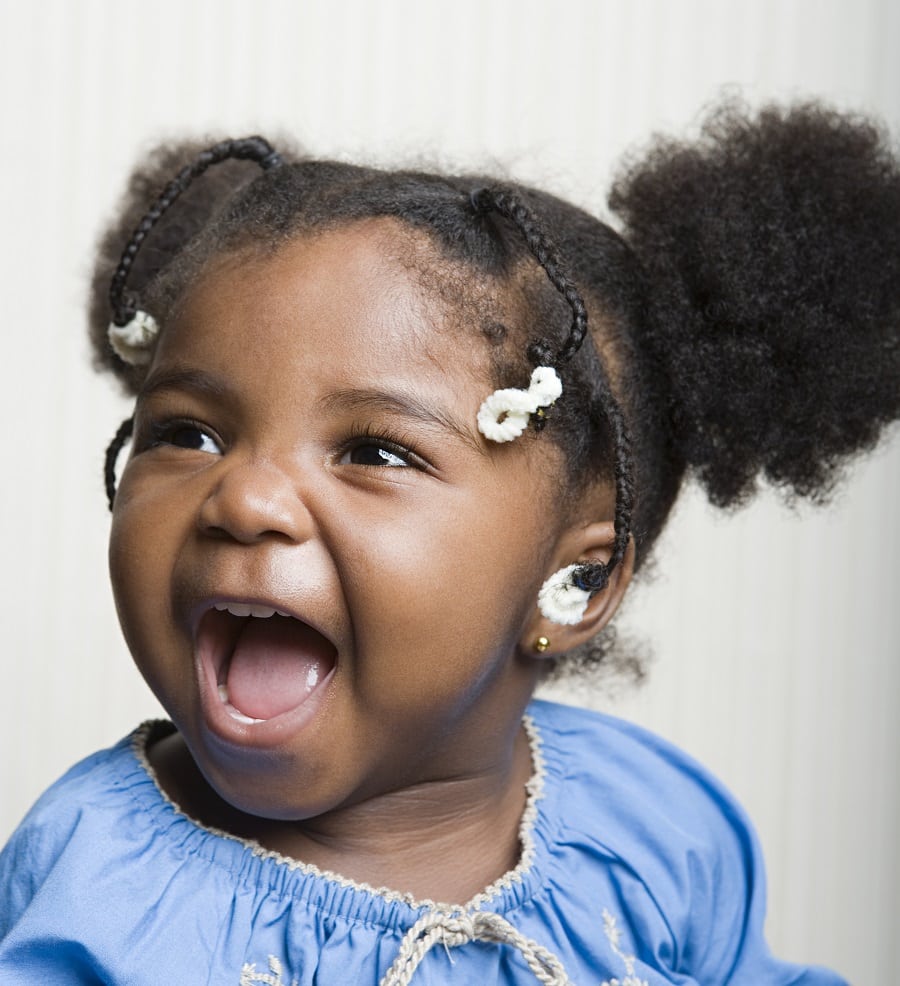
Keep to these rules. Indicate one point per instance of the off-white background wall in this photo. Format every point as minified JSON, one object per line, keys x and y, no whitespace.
{"x":776,"y":635}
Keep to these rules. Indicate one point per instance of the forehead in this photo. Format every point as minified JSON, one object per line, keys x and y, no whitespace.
{"x":376,"y":291}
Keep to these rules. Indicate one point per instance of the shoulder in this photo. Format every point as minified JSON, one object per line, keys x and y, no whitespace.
{"x":648,"y":804}
{"x":89,"y":783}
{"x":66,"y":821}
{"x":677,"y":850}
{"x":607,"y":759}
{"x":86,"y":785}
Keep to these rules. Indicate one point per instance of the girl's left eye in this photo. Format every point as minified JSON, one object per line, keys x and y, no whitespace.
{"x":375,"y":453}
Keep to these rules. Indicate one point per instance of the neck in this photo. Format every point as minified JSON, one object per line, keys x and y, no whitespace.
{"x":442,"y":840}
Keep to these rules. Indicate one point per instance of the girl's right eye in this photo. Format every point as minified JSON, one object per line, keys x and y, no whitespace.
{"x":186,"y":435}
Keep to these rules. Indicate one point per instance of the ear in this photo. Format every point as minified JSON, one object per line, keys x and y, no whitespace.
{"x":584,"y":543}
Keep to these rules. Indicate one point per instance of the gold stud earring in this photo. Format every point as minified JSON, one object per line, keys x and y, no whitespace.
{"x":541,"y":644}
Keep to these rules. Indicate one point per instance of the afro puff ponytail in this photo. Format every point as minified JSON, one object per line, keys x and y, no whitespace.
{"x":772,"y":251}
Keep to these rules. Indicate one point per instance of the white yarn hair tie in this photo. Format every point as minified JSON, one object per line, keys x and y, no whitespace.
{"x":504,"y":415}
{"x":560,"y":600}
{"x":133,"y":342}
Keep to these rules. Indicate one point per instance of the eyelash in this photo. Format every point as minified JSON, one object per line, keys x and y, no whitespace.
{"x":163,"y":433}
{"x":396,"y":445}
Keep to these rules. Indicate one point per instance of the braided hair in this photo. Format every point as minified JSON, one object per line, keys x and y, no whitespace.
{"x":743,"y":321}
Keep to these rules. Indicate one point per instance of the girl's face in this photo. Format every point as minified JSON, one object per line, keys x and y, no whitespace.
{"x":305,"y":442}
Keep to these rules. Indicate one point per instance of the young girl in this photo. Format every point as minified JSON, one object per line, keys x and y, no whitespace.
{"x":400,"y":441}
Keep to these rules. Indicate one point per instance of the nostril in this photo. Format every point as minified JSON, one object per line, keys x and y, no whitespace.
{"x":252,"y":502}
{"x":214,"y":531}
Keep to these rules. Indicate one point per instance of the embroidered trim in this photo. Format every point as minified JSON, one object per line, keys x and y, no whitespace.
{"x":613,"y":936}
{"x":534,"y":789}
{"x":249,"y":975}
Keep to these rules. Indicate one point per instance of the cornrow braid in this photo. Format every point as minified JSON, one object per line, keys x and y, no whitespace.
{"x":505,"y":202}
{"x":123,"y":305}
{"x":592,"y":577}
{"x":256,"y":149}
{"x":113,"y":451}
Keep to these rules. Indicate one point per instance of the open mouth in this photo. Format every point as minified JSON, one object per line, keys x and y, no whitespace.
{"x":265,"y":663}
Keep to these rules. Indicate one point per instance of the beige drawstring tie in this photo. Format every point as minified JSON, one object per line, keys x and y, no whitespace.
{"x":459,"y":928}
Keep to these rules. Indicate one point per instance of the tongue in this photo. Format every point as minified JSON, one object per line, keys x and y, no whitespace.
{"x":276,"y":664}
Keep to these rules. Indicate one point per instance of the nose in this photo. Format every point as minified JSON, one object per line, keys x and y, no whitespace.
{"x":254,"y":501}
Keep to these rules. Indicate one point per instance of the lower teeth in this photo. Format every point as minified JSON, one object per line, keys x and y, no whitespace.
{"x":232,"y":711}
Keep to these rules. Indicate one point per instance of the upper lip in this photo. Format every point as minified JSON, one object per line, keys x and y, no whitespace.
{"x":250,"y":609}
{"x":250,"y":602}
{"x":270,"y":581}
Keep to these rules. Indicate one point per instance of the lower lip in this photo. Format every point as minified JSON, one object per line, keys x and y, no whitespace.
{"x":267,"y":734}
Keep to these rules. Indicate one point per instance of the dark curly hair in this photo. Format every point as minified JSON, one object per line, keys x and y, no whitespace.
{"x":745,"y":319}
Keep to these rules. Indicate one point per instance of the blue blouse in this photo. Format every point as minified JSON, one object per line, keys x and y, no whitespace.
{"x":637,"y":869}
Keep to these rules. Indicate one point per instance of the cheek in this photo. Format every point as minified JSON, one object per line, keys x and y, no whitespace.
{"x":140,"y":565}
{"x":131,"y":547}
{"x":133,"y":581}
{"x":447,"y":595}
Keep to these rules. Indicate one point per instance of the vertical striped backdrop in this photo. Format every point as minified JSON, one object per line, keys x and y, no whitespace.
{"x":776,"y":635}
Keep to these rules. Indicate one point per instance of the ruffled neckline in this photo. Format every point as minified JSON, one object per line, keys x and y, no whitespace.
{"x":261,"y":869}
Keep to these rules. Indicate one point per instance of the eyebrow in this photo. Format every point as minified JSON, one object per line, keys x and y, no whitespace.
{"x":404,"y":405}
{"x":177,"y":378}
